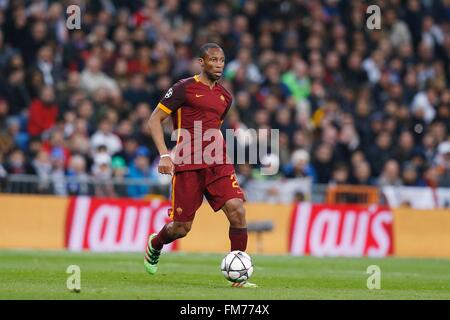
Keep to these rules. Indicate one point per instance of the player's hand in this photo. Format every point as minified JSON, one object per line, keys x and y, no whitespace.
{"x":166,"y":166}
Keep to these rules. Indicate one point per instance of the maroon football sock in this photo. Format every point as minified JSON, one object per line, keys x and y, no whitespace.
{"x":238,"y":237}
{"x":161,"y":239}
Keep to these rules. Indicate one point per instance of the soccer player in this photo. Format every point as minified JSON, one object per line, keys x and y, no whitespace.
{"x":197,"y":104}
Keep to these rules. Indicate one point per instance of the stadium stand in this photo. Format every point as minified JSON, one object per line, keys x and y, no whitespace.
{"x":354,"y":106}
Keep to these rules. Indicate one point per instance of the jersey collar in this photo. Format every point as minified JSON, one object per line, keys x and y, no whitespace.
{"x":197,"y":79}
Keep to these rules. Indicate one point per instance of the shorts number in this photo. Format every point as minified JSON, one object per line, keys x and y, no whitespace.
{"x":235,"y":183}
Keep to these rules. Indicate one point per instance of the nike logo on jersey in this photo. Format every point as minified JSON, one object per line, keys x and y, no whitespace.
{"x":199,"y":95}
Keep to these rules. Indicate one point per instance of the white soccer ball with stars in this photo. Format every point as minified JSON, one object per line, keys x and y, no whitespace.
{"x":237,"y":266}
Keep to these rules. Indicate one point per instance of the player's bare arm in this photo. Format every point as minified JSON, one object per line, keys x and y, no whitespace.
{"x":156,"y":130}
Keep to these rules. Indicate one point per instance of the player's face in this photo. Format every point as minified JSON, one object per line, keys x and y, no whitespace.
{"x":213,"y":63}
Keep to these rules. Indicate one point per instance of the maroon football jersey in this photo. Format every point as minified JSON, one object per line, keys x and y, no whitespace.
{"x":198,"y":109}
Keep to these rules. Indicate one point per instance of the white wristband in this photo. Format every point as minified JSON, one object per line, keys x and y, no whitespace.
{"x":164,"y":155}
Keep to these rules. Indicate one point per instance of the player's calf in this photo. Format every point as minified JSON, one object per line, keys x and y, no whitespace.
{"x":235,"y":212}
{"x":180,"y":229}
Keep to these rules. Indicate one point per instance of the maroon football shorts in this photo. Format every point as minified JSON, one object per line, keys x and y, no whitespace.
{"x":218,"y":184}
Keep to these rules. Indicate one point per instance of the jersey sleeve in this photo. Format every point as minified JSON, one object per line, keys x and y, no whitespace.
{"x":173,"y":99}
{"x":229,"y":100}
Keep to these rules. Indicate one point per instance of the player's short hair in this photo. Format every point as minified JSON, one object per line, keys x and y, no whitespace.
{"x":204,"y":48}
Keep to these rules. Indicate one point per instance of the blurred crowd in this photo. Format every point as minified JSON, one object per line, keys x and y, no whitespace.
{"x":353,"y":105}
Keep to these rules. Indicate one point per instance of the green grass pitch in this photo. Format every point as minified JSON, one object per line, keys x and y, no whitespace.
{"x":42,"y":275}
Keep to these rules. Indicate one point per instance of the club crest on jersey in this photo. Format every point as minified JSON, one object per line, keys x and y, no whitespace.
{"x":222,"y":98}
{"x":169,"y":93}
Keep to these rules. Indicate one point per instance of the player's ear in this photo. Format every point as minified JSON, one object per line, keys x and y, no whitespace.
{"x":201,"y":61}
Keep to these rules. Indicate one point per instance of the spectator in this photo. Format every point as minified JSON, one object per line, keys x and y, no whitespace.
{"x":105,"y":136}
{"x":85,"y":111}
{"x":423,"y":105}
{"x":56,"y":141}
{"x":43,"y":112}
{"x":17,"y":163}
{"x":119,"y":172}
{"x":297,"y":81}
{"x":8,"y":136}
{"x":79,"y":141}
{"x":77,"y":177}
{"x":410,"y":176}
{"x":404,"y":150}
{"x":340,"y":174}
{"x":443,"y":164}
{"x":140,"y":169}
{"x":3,"y":174}
{"x":299,"y":166}
{"x":355,"y":75}
{"x":43,"y":168}
{"x":390,"y":176}
{"x":6,"y":52}
{"x":380,"y":152}
{"x":137,"y":91}
{"x":102,"y":174}
{"x":322,"y":162}
{"x":130,"y":146}
{"x":432,"y":34}
{"x":58,"y":172}
{"x":362,"y":175}
{"x":397,"y":30}
{"x":13,"y":86}
{"x":16,"y":132}
{"x":272,"y":83}
{"x":45,"y":65}
{"x":431,"y":176}
{"x":4,"y":110}
{"x":429,"y":146}
{"x":92,"y":78}
{"x":243,"y":70}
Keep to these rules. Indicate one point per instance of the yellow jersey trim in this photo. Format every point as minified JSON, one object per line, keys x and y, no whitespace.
{"x":164,"y":108}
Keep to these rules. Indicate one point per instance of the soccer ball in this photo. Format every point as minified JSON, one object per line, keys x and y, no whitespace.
{"x":237,"y":266}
